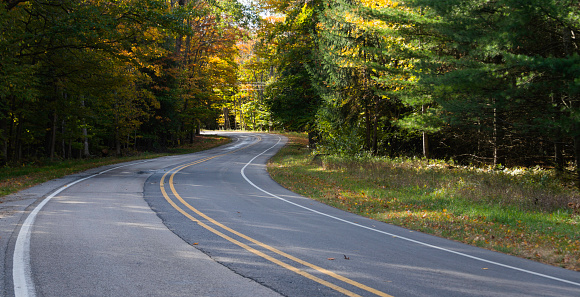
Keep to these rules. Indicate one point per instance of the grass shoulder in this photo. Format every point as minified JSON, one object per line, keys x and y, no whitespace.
{"x":522,"y":212}
{"x":17,"y":178}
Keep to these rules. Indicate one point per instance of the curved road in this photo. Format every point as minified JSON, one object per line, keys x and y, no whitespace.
{"x":214,"y":224}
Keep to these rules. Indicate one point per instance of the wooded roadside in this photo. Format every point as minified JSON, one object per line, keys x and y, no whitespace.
{"x":522,"y":212}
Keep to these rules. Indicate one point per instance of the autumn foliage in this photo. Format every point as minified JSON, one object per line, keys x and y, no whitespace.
{"x":86,"y":78}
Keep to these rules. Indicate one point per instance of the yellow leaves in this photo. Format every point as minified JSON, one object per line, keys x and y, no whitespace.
{"x":305,"y":14}
{"x":374,"y":24}
{"x":379,"y":3}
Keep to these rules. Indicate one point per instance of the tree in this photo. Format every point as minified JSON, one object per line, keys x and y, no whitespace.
{"x":291,"y":96}
{"x":65,"y":64}
{"x":496,"y":73}
{"x":254,"y":74}
{"x":366,"y":53}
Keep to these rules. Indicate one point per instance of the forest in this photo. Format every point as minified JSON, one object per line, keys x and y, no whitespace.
{"x":478,"y":82}
{"x":97,"y":78}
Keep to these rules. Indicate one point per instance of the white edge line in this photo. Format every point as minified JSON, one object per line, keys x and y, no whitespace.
{"x":394,"y":235}
{"x":21,"y":270}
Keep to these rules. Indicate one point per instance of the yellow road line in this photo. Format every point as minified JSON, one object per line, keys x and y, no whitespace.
{"x":259,"y":253}
{"x":263,"y":245}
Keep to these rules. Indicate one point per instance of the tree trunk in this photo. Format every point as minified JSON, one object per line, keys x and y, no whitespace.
{"x":4,"y":139}
{"x":179,"y":38}
{"x":70,"y":155}
{"x":497,"y":136}
{"x":425,"y":145}
{"x":198,"y":128}
{"x":312,"y":139}
{"x":117,"y":142}
{"x":367,"y":128}
{"x":242,"y":124}
{"x":226,"y":119}
{"x":117,"y":134}
{"x":63,"y":141}
{"x":558,"y":147}
{"x":558,"y":139}
{"x":10,"y":139}
{"x":86,"y":153}
{"x":425,"y":138}
{"x":375,"y":148}
{"x":577,"y":155}
{"x":4,"y":151}
{"x":558,"y":155}
{"x":18,"y":140}
{"x":53,"y":136}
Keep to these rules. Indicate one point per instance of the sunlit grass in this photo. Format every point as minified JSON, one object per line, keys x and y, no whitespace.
{"x":16,"y":178}
{"x":519,"y":211}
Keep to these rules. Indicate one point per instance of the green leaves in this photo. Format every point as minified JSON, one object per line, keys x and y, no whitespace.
{"x":430,"y":121}
{"x":95,"y":70}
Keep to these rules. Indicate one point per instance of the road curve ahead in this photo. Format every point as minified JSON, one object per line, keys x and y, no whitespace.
{"x":100,"y":237}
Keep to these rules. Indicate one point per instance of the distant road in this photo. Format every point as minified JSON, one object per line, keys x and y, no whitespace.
{"x":215,"y":224}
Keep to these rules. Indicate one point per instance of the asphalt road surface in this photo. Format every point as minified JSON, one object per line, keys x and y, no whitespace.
{"x":214,"y":224}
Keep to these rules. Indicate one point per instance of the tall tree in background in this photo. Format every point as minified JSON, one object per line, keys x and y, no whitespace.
{"x":490,"y":82}
{"x":505,"y":73}
{"x":367,"y":51}
{"x":254,"y":73}
{"x":83,"y":77}
{"x":208,"y":60}
{"x":477,"y":81}
{"x":291,"y":97}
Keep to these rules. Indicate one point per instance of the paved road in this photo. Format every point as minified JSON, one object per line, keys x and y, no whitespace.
{"x":214,"y":224}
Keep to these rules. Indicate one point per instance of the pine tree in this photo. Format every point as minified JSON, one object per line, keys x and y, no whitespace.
{"x":504,"y":70}
{"x":367,"y":54}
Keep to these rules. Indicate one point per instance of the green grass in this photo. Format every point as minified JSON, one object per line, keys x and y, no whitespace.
{"x":17,"y":178}
{"x":519,"y":211}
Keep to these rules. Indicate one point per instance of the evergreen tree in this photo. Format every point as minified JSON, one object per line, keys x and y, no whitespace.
{"x":505,"y":71}
{"x":366,"y":53}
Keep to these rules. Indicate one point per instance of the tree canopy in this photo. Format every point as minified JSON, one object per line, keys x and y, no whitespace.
{"x":480,"y":82}
{"x":477,"y":81}
{"x":81,"y":78}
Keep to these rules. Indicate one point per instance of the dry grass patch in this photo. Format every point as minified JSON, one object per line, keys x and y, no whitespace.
{"x":523,"y":212}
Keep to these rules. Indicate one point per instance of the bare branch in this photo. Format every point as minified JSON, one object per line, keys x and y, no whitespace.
{"x":12,"y":3}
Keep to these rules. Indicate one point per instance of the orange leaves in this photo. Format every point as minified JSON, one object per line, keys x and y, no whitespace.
{"x":16,"y":183}
{"x":273,"y":19}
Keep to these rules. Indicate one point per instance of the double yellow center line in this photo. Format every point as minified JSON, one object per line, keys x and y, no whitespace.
{"x":172,"y":174}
